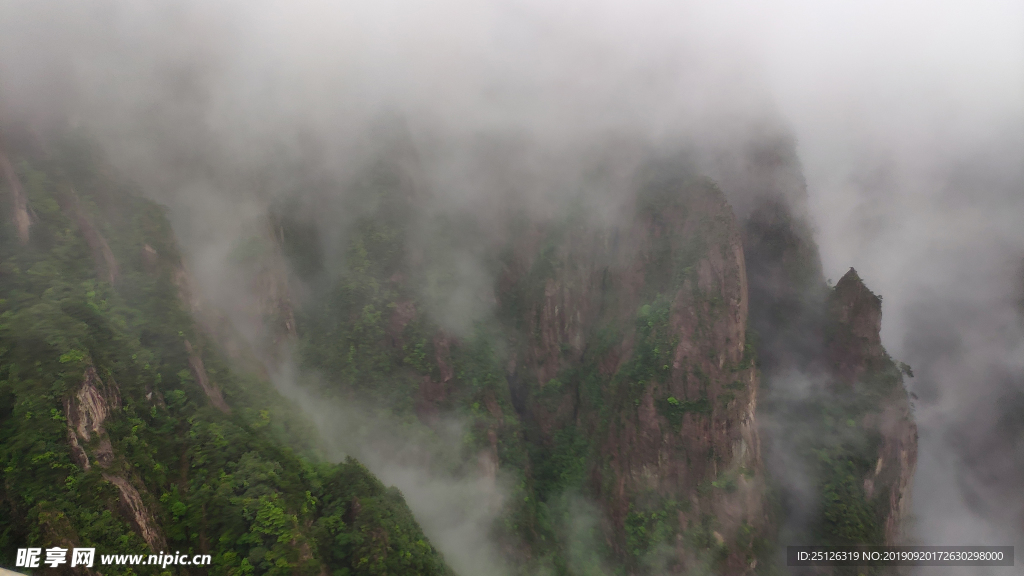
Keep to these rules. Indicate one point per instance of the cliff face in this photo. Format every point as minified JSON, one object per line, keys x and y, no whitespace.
{"x":613,"y":385}
{"x":857,"y":358}
{"x":632,"y":342}
{"x":19,"y":203}
{"x":86,"y":411}
{"x":615,"y":368}
{"x":619,"y":367}
{"x":856,"y":315}
{"x":840,"y":417}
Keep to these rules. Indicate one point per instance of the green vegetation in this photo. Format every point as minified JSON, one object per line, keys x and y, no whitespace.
{"x":833,"y":425}
{"x":243,"y":486}
{"x":557,"y":395}
{"x":840,"y":452}
{"x":646,"y":530}
{"x":651,"y":360}
{"x":673,"y":409}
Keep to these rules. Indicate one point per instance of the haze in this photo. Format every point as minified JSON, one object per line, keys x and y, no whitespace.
{"x":908,"y":118}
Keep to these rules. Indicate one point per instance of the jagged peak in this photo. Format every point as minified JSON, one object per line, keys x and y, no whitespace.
{"x":856,"y":306}
{"x":851,"y":287}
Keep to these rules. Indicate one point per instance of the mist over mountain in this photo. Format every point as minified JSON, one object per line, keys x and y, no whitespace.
{"x":600,"y":288}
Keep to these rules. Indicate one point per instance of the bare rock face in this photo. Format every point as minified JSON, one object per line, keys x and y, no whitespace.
{"x":195,"y":362}
{"x":141,"y":518}
{"x":857,"y":307}
{"x":854,"y":347}
{"x":274,"y":302}
{"x":86,"y":411}
{"x":636,"y":337}
{"x":22,"y":221}
{"x":856,"y":313}
{"x":897,"y":462}
{"x":186,"y":288}
{"x":91,"y":406}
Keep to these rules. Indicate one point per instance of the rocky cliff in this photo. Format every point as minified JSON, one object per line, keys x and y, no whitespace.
{"x":629,"y":349}
{"x":858,"y":360}
{"x":618,"y":368}
{"x":842,"y":445}
{"x":637,"y":391}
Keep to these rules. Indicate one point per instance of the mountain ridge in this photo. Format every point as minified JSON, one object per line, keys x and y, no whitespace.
{"x":612,"y":396}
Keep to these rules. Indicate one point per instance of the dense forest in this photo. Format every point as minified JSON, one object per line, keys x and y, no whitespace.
{"x":123,"y":427}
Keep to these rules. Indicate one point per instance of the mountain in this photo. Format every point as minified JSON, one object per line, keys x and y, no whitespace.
{"x":626,"y":364}
{"x":653,"y":385}
{"x":843,"y":446}
{"x":123,"y":427}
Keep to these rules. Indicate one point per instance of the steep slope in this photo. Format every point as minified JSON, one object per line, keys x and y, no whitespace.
{"x":630,"y":351}
{"x":614,"y":384}
{"x":842,"y":445}
{"x":615,"y":368}
{"x":121,"y":425}
{"x":878,"y":405}
{"x":600,"y":372}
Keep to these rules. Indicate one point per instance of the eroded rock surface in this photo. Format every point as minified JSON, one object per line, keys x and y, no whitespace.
{"x":86,"y":411}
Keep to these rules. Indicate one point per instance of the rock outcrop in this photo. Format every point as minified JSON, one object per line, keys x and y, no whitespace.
{"x":141,"y":518}
{"x":842,"y":443}
{"x":858,"y":359}
{"x":855,"y":336}
{"x":195,"y":362}
{"x":637,"y":338}
{"x":86,"y":412}
{"x":897,"y":462}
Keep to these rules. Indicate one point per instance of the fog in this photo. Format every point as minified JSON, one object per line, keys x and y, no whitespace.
{"x":913,"y":149}
{"x":908,"y":120}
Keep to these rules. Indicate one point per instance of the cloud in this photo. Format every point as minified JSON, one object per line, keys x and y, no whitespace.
{"x":907,"y":119}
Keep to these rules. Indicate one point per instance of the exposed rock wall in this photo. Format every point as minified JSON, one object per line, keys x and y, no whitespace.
{"x":856,"y":353}
{"x":135,"y":509}
{"x":86,"y":411}
{"x":657,"y":312}
{"x":833,"y":398}
{"x":19,"y":201}
{"x":897,"y":462}
{"x":856,"y":317}
{"x":195,"y":362}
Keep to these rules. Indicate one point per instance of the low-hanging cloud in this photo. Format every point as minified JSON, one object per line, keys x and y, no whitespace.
{"x":907,"y":119}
